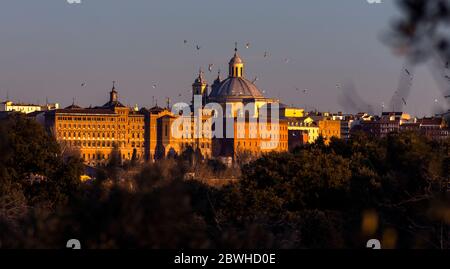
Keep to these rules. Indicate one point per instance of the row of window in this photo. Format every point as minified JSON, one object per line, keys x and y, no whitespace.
{"x":69,"y":135}
{"x":103,"y":119}
{"x":111,"y":119}
{"x":256,"y":127}
{"x":100,"y":127}
{"x":263,"y":136}
{"x":258,"y":144}
{"x":102,"y":156}
{"x":202,"y":145}
{"x":104,"y":144}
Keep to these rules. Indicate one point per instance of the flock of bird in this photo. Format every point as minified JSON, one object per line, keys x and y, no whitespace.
{"x":211,"y":66}
{"x":406,"y":88}
{"x":400,"y":94}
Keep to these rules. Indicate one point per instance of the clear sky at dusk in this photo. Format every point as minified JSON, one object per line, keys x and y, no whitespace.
{"x":49,"y":47}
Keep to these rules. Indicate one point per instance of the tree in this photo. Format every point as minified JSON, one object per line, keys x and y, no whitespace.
{"x":29,"y":151}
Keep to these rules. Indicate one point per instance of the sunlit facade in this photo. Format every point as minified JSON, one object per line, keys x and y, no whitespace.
{"x":96,"y":132}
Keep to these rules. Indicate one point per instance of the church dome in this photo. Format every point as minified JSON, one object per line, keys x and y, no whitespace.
{"x":236,"y":87}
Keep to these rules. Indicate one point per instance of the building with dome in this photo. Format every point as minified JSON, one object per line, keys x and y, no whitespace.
{"x":257,"y":132}
{"x":236,"y":90}
{"x":146,"y":134}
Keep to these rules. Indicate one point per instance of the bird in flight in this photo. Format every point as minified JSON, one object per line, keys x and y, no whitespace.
{"x":305,"y":91}
{"x":198,"y":47}
{"x":83,"y":84}
{"x":185,"y":41}
{"x":404,"y":101}
{"x":210,"y":67}
{"x":266,"y":54}
{"x":247,"y":45}
{"x":287,"y":60}
{"x":407,"y":72}
{"x":154,"y":85}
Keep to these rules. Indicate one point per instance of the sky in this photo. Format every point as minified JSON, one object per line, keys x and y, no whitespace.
{"x":48,"y":48}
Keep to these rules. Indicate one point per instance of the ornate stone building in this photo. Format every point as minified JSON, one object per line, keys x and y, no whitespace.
{"x":148,"y":134}
{"x":95,"y":132}
{"x":243,"y":104}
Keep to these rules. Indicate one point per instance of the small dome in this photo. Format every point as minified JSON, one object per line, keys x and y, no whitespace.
{"x":236,"y":60}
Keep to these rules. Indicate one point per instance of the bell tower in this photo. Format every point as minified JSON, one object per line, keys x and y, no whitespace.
{"x":200,"y":87}
{"x":113,"y":95}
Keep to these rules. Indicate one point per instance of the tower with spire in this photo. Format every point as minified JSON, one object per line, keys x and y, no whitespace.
{"x":216,"y":84}
{"x":113,"y":95}
{"x":200,"y":87}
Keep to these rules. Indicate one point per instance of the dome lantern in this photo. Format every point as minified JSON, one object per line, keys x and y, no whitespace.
{"x":236,"y":65}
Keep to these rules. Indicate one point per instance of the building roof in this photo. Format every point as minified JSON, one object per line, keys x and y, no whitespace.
{"x":236,"y":59}
{"x":35,"y":113}
{"x":113,"y":104}
{"x":430,"y":121}
{"x":394,"y":113}
{"x":156,"y":110}
{"x":11,"y":103}
{"x":236,"y":87}
{"x":73,"y":106}
{"x":98,"y":111}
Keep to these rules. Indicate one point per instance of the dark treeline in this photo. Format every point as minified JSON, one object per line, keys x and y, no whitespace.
{"x":336,"y":196}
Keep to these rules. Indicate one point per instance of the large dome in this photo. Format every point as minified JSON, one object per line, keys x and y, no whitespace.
{"x":236,"y":87}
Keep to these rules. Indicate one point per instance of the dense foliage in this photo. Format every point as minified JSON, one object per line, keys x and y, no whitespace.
{"x":335,"y":196}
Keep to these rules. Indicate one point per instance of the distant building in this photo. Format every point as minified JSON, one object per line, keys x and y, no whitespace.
{"x":434,"y":128}
{"x":329,"y":128}
{"x":305,"y":125}
{"x":347,"y":123}
{"x":95,"y":132}
{"x":291,"y":112}
{"x":26,"y":108}
{"x":297,"y":138}
{"x":396,"y":116}
{"x":380,"y":128}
